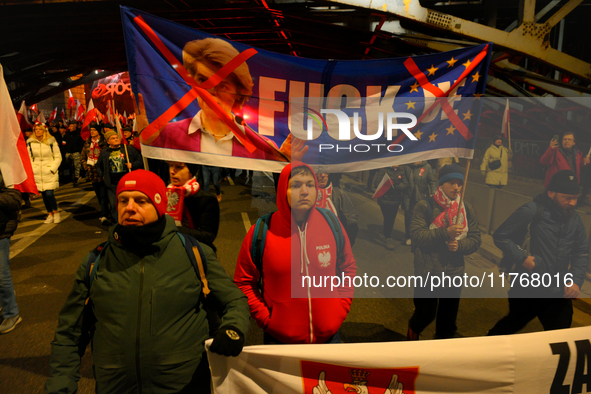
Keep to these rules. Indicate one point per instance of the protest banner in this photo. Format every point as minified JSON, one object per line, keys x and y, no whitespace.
{"x":542,"y":362}
{"x":217,"y":102}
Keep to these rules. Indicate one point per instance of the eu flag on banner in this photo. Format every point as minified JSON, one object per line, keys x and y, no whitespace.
{"x":218,"y":102}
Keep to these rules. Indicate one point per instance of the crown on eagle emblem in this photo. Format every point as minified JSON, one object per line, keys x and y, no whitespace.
{"x":359,"y":375}
{"x":572,"y":178}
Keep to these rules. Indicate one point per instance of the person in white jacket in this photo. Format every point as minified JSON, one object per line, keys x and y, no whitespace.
{"x":46,"y":158}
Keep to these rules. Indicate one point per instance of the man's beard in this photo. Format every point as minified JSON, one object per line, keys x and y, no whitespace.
{"x":568,"y":212}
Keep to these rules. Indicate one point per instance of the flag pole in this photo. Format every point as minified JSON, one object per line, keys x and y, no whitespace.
{"x":509,"y":132}
{"x":120,"y":134}
{"x":463,"y":191}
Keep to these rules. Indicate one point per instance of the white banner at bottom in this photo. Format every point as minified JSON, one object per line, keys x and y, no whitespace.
{"x":553,"y":362}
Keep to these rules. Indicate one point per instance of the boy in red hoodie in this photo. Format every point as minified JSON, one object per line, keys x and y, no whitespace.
{"x":291,"y":309}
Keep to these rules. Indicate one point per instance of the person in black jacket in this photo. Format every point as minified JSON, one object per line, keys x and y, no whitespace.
{"x":200,"y":212}
{"x":113,"y":164}
{"x":10,"y":204}
{"x":390,"y":201}
{"x":552,"y":273}
{"x":73,"y":146}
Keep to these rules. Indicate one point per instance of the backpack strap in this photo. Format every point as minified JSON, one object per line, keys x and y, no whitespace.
{"x":197,"y":258}
{"x":31,"y":151}
{"x":92,"y":266}
{"x":335,"y":227}
{"x":259,"y":236}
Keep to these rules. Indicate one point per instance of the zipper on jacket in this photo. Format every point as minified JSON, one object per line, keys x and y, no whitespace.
{"x":138,"y":330}
{"x":304,"y":262}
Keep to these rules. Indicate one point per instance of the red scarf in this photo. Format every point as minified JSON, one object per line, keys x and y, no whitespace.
{"x":176,"y":198}
{"x":324,"y":199}
{"x":450,"y":211}
{"x":94,"y":151}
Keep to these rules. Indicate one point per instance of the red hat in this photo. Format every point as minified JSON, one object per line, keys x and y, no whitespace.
{"x":148,"y":183}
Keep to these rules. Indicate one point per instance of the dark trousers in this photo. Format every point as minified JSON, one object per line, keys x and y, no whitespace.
{"x":112,"y":193}
{"x":445,"y":310}
{"x":389,"y":212}
{"x":101,"y":194}
{"x":49,"y":200}
{"x":407,"y":220}
{"x":554,"y":314}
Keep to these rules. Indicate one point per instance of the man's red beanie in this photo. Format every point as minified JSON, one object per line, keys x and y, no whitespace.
{"x":148,"y":183}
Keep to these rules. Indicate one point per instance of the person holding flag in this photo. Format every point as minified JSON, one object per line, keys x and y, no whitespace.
{"x":113,"y":163}
{"x":390,"y":184}
{"x":332,"y":197}
{"x":443,"y":230}
{"x":495,"y":164}
{"x":564,"y":157}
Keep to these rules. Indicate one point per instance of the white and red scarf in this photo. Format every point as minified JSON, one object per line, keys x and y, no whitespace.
{"x":450,"y":211}
{"x":176,"y":198}
{"x":93,"y":152}
{"x":324,"y":199}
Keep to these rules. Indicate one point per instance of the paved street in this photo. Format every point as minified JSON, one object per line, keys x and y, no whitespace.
{"x":45,"y":258}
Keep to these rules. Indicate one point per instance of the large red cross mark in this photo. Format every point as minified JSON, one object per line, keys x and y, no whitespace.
{"x":150,"y":132}
{"x":412,"y":67}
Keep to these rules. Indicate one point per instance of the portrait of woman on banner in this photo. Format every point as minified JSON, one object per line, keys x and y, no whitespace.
{"x":206,"y":131}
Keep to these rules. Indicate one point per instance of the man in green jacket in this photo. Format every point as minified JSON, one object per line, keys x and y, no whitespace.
{"x":146,"y":301}
{"x":439,"y":247}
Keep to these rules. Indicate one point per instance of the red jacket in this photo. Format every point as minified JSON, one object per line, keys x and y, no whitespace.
{"x":314,"y":314}
{"x":555,"y":161}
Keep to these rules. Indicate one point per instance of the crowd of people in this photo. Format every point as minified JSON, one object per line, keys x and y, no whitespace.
{"x":159,"y":291}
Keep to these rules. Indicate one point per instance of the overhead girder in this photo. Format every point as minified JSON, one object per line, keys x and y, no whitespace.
{"x":528,"y":38}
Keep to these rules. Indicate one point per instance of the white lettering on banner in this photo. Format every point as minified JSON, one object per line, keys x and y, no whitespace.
{"x":322,"y":247}
{"x":553,"y":362}
{"x":394,"y":148}
{"x":345,"y":127}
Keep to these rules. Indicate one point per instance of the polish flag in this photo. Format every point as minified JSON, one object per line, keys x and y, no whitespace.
{"x":385,"y":185}
{"x":41,"y":118}
{"x":71,"y":100}
{"x":53,"y":114}
{"x":91,"y":115}
{"x":120,"y":132}
{"x":124,"y":118}
{"x":14,"y":161}
{"x":108,"y":116}
{"x":79,"y":111}
{"x":22,"y":117}
{"x":506,"y":128}
{"x":63,"y":115}
{"x":34,"y":108}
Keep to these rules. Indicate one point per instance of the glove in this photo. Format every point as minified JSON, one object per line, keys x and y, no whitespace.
{"x":228,"y":341}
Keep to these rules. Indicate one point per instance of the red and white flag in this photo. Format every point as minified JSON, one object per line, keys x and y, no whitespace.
{"x":385,"y":185}
{"x":41,"y":118}
{"x":34,"y":108}
{"x":63,"y":115}
{"x":505,"y":127}
{"x":91,"y":115}
{"x":71,"y":100}
{"x":79,"y":112}
{"x":108,"y":110}
{"x":124,"y":118}
{"x":53,"y":114}
{"x":14,"y":161}
{"x":119,"y":131}
{"x":22,"y":117}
